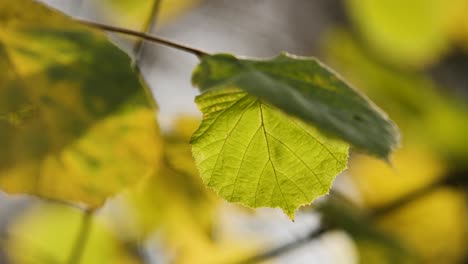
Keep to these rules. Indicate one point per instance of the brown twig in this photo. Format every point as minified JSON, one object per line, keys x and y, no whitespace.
{"x":156,"y":39}
{"x":286,"y":247}
{"x":147,"y":28}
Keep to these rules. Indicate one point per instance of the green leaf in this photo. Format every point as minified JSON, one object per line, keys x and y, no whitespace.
{"x":76,"y":123}
{"x":304,"y":88}
{"x":250,"y":152}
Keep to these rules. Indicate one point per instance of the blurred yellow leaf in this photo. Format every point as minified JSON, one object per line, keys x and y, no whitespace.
{"x":459,"y":22}
{"x":48,"y":233}
{"x":174,"y":202}
{"x":176,"y":178}
{"x":406,"y":32}
{"x":170,"y":10}
{"x":130,"y":14}
{"x":434,"y":126}
{"x":373,"y":245}
{"x":185,"y":125}
{"x":435,"y":226}
{"x":136,"y":14}
{"x":412,"y":169}
{"x":75,"y":121}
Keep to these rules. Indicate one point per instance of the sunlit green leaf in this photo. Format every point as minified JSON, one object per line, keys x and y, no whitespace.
{"x":76,"y":123}
{"x":304,"y":88}
{"x":252,"y":153}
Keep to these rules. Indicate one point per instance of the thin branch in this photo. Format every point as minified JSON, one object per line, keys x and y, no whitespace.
{"x":147,"y":28}
{"x":156,"y":39}
{"x":139,"y":46}
{"x":456,"y":181}
{"x":82,"y":238}
{"x":272,"y":253}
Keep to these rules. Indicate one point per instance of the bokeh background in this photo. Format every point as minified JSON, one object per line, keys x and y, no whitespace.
{"x":410,"y":57}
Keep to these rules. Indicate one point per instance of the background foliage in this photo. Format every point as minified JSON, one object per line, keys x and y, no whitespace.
{"x":77,"y":124}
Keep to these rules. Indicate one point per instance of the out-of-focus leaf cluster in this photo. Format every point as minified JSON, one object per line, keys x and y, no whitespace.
{"x":410,"y":33}
{"x":419,"y":202}
{"x":68,"y":133}
{"x":75,"y":119}
{"x":170,"y":204}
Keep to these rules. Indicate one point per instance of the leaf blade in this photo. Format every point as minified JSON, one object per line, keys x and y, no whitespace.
{"x":251,"y":153}
{"x":306,"y":89}
{"x":71,"y":108}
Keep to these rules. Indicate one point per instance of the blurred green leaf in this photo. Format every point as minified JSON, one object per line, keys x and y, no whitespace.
{"x":306,"y":89}
{"x":252,"y":153}
{"x":75,"y":121}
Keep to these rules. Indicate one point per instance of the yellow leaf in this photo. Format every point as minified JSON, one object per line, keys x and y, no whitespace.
{"x":135,"y":14}
{"x":173,"y":199}
{"x":434,"y":225}
{"x":75,"y":121}
{"x":412,"y":168}
{"x":48,"y":233}
{"x":458,"y":23}
{"x":185,"y":126}
{"x":170,"y":10}
{"x":405,"y":32}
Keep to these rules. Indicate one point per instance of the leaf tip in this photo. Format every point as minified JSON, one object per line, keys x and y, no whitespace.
{"x":291,"y":215}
